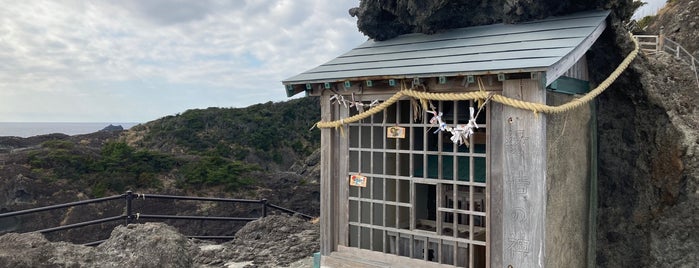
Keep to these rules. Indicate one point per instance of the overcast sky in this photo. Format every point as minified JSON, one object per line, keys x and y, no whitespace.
{"x":136,"y":61}
{"x":139,"y":60}
{"x":650,"y":8}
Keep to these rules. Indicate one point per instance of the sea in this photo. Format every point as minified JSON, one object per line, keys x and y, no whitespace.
{"x":28,"y":129}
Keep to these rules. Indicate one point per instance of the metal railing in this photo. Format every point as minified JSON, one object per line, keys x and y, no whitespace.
{"x":648,"y":43}
{"x":656,"y":44}
{"x":130,"y":216}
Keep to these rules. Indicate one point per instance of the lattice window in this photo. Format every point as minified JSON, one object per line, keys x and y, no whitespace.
{"x":425,"y":197}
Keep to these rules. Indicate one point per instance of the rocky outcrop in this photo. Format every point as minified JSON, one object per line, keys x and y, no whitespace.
{"x":649,"y":170}
{"x":269,"y":242}
{"x":680,"y":22}
{"x":383,"y":20}
{"x":143,"y":245}
{"x":111,"y":128}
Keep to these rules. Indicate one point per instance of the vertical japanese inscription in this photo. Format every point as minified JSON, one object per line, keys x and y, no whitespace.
{"x":517,"y":189}
{"x":523,"y":178}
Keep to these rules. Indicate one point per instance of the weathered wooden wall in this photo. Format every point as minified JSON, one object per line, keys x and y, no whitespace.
{"x":568,"y":185}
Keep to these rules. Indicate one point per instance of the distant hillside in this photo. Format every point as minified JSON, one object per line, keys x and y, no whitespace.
{"x":271,"y":135}
{"x":223,"y":152}
{"x":197,"y":149}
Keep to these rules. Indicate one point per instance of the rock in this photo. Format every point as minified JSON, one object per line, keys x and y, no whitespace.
{"x":679,"y":28}
{"x":268,"y":242}
{"x":272,"y":241}
{"x":145,"y":245}
{"x":33,"y":250}
{"x":381,"y":20}
{"x":649,"y":169}
{"x":309,"y":167}
{"x":111,"y":128}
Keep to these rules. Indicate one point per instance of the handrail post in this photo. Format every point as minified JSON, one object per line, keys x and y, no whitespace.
{"x":264,"y":207}
{"x":661,"y":39}
{"x":129,"y":212}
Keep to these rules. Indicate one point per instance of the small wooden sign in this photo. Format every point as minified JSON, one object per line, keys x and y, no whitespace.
{"x":358,"y":180}
{"x":395,"y":132}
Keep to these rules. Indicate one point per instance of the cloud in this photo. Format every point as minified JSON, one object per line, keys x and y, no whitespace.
{"x":112,"y":54}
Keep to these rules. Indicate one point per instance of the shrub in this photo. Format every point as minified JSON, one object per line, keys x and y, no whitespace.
{"x":214,"y":170}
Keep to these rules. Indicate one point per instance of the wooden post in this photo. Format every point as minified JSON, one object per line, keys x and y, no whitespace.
{"x":328,"y":196}
{"x":334,"y":191}
{"x":518,"y":174}
{"x":661,"y":39}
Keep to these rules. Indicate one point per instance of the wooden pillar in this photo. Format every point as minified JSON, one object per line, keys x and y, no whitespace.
{"x":333,"y":179}
{"x":328,"y":224}
{"x":518,"y":175}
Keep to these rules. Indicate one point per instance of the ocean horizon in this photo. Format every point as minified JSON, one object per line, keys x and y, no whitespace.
{"x":29,"y":129}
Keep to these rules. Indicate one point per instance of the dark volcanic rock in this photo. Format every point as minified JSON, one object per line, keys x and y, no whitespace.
{"x":383,"y":20}
{"x":113,"y":128}
{"x":648,"y":167}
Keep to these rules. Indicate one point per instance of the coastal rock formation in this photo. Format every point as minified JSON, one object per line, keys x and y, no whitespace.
{"x":272,"y":241}
{"x":146,"y":245}
{"x":269,"y":242}
{"x":113,"y":128}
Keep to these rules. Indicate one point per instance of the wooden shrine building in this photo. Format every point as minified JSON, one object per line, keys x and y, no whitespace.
{"x":405,"y":187}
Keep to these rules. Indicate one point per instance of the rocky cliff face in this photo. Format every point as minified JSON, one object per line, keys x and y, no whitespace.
{"x":680,"y":22}
{"x":648,"y":167}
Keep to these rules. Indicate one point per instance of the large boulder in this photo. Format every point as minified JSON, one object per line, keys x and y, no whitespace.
{"x":381,"y":19}
{"x":145,"y":245}
{"x":33,"y":250}
{"x":272,"y":241}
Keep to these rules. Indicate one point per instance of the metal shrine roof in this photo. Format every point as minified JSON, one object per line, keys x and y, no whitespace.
{"x":551,"y":45}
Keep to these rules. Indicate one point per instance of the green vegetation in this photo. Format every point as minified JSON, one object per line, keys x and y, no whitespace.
{"x":63,"y":159}
{"x":215,"y":170}
{"x":268,"y":130}
{"x":645,"y":21}
{"x":196,"y":149}
{"x":118,"y":167}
